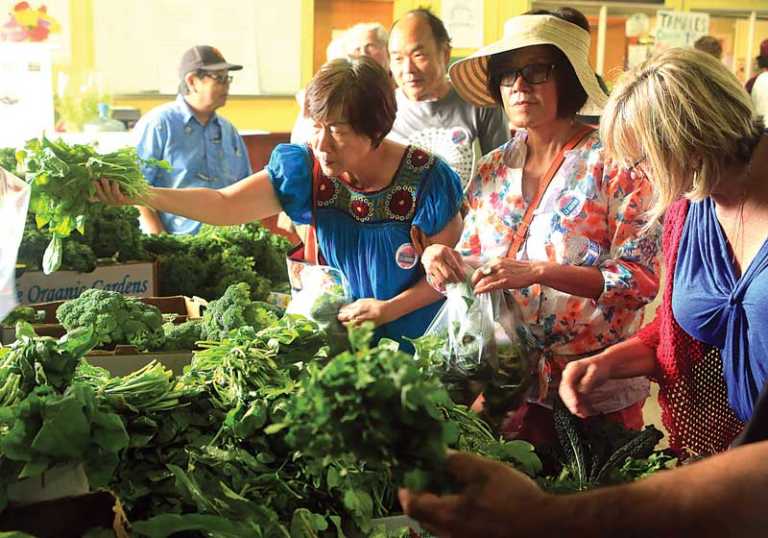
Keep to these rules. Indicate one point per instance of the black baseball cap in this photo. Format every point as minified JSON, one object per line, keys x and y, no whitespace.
{"x":205,"y":58}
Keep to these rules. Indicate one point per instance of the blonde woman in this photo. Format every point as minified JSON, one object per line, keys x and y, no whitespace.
{"x":685,"y":121}
{"x":688,"y":122}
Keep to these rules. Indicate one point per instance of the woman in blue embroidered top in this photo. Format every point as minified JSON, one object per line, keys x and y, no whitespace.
{"x":687,"y":122}
{"x":371,"y":197}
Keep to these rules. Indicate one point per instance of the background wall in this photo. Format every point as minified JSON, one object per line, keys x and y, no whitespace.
{"x":320,"y":17}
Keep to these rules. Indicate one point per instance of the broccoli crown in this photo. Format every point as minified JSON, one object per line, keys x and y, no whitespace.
{"x":234,"y":310}
{"x":116,"y":318}
{"x":182,"y":337}
{"x":21,"y":313}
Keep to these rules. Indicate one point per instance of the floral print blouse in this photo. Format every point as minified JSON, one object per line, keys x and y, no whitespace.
{"x":592,"y":214}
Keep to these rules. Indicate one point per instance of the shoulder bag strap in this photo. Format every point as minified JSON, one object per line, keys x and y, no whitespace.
{"x":311,"y":244}
{"x":522,"y":228}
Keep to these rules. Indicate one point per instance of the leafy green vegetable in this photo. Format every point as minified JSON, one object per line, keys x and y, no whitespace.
{"x":325,"y":312}
{"x":8,"y":159}
{"x":115,"y":318}
{"x":376,"y":405}
{"x":595,"y":450}
{"x":63,"y":183}
{"x":206,"y":264}
{"x":23,"y":313}
{"x":47,"y":428}
{"x":33,"y":361}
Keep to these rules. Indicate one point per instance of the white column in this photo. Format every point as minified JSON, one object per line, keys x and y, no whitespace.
{"x":602,"y":26}
{"x":750,"y":42}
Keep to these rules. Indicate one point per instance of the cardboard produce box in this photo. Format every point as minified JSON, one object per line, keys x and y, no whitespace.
{"x":68,"y":517}
{"x":138,"y":279}
{"x":184,"y":308}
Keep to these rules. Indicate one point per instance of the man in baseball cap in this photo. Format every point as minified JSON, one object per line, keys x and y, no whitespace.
{"x":203,"y":148}
{"x":204,"y":58}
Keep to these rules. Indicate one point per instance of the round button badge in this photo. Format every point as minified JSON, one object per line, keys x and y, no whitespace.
{"x":406,"y":256}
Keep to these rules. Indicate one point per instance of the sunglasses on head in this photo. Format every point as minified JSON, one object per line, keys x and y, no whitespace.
{"x":531,"y":73}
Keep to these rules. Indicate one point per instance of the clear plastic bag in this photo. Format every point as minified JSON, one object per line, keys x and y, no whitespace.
{"x":318,"y":292}
{"x":478,"y":344}
{"x":14,"y":201}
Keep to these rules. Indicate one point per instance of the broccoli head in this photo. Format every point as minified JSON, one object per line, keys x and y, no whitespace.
{"x":233,"y":310}
{"x":116,"y":318}
{"x":182,"y":337}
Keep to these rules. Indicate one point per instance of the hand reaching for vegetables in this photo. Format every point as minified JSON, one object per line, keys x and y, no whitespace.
{"x":495,"y":501}
{"x":504,"y":274}
{"x":365,"y":310}
{"x":443,"y":266}
{"x":579,"y":379}
{"x":109,"y":193}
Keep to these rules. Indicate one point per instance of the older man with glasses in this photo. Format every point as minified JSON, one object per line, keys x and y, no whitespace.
{"x":203,"y":148}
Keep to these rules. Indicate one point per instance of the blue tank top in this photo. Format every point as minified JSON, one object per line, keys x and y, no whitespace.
{"x":715,"y":305}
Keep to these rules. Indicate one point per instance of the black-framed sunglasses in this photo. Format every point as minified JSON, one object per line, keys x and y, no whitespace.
{"x":221,"y":79}
{"x":531,"y":73}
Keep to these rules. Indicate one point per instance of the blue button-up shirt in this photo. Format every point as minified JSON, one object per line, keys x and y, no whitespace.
{"x":211,"y":155}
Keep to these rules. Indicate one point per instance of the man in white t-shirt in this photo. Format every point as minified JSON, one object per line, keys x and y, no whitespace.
{"x":430,"y":113}
{"x":760,"y":87}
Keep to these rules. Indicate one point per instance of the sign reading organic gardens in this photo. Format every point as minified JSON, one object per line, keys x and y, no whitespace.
{"x":680,"y":29}
{"x":136,"y":279}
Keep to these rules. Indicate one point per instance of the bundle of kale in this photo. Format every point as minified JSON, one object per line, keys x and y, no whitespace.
{"x":63,"y":179}
{"x":207,"y":263}
{"x":113,"y":233}
{"x":596,"y":451}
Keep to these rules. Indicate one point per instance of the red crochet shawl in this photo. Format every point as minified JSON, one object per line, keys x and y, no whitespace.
{"x":692,"y":394}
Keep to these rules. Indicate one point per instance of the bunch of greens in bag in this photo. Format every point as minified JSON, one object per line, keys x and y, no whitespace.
{"x":325,"y":312}
{"x":8,"y":159}
{"x":476,"y":343}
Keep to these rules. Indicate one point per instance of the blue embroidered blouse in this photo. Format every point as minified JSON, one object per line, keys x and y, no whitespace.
{"x":365,"y":234}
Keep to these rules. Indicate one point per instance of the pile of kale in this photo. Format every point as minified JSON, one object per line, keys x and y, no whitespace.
{"x":203,"y":265}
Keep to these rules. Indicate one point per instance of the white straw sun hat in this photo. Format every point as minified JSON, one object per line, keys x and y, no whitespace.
{"x":469,"y":76}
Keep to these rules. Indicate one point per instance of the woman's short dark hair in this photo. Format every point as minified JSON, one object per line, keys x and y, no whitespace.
{"x":357,"y":89}
{"x":762,"y":62}
{"x":571,"y":95}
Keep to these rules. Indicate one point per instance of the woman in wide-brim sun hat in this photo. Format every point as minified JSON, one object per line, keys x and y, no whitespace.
{"x":554,"y":225}
{"x":470,"y":75}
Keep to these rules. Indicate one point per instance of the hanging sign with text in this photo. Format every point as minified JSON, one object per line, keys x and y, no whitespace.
{"x":680,"y":29}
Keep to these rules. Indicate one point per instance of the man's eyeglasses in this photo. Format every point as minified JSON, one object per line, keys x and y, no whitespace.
{"x":221,"y":79}
{"x":531,"y":73}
